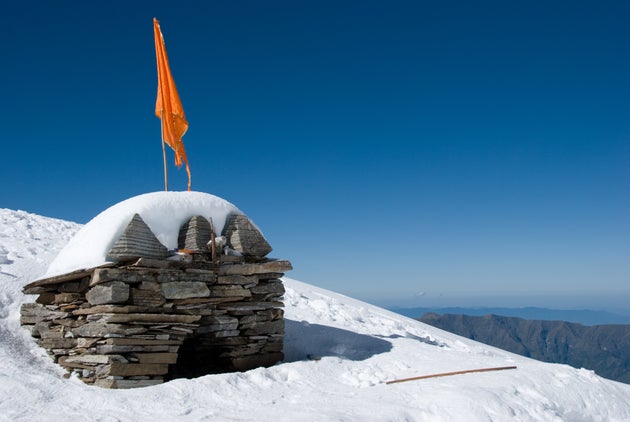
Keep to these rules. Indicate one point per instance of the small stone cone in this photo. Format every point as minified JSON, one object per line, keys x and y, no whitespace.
{"x":195,"y":234}
{"x":137,"y":241}
{"x":244,"y":237}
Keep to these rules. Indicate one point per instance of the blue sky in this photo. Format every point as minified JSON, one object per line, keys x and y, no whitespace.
{"x":386,"y":148}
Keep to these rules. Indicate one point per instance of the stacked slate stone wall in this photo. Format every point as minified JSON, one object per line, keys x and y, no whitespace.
{"x":144,"y":320}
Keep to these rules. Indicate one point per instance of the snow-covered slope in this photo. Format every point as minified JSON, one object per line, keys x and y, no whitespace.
{"x":339,"y":354}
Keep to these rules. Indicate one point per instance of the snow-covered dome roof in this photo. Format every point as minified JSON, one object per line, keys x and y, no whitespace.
{"x":163,"y":212}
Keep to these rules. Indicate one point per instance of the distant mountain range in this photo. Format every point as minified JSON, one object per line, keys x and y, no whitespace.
{"x":581,"y":316}
{"x":602,"y":348}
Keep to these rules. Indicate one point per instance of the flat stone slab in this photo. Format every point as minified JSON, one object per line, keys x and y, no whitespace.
{"x":150,"y":318}
{"x":185,"y":289}
{"x":107,"y":293}
{"x":255,"y":268}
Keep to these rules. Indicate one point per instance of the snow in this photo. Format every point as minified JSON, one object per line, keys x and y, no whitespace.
{"x":339,"y":354}
{"x":163,"y":212}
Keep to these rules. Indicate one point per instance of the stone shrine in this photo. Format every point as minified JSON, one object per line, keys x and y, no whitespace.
{"x":149,"y":315}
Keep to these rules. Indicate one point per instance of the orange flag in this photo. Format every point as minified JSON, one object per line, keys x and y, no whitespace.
{"x":168,"y":106}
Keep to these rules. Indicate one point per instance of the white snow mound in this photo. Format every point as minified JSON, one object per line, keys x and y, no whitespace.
{"x":163,"y":212}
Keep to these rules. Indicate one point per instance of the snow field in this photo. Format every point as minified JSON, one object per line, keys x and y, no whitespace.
{"x":339,"y":352}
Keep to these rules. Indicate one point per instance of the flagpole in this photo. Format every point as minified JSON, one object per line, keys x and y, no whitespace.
{"x":168,"y":106}
{"x":164,"y":153}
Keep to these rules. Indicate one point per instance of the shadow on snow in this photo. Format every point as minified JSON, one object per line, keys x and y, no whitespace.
{"x":303,"y":340}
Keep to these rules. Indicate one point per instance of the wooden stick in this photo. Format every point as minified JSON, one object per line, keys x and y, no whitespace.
{"x":446,"y":374}
{"x":213,"y":247}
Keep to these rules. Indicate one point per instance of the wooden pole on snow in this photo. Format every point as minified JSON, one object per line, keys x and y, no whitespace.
{"x":446,"y":374}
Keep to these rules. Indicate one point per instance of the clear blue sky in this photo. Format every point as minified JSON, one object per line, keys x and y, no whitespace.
{"x":386,"y":148}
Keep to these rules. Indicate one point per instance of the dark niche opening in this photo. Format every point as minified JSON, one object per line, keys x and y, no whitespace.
{"x":194,"y":359}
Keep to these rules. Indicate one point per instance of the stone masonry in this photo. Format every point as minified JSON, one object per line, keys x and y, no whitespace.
{"x":140,"y":321}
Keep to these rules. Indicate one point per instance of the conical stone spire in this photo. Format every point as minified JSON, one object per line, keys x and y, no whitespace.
{"x":195,"y":234}
{"x":137,"y":241}
{"x":244,"y":237}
